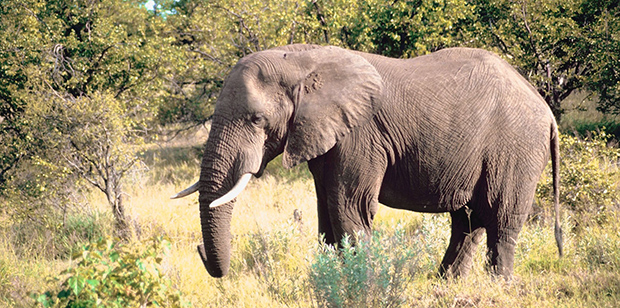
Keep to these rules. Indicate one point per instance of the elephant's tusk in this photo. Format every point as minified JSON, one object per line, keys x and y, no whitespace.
{"x":186,"y":192}
{"x":234,"y":192}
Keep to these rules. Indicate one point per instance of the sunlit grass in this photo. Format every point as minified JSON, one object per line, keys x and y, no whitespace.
{"x":274,"y":249}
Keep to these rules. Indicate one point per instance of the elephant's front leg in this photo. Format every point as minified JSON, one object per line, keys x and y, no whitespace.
{"x":316,"y":167}
{"x":348,"y":193}
{"x":352,"y":212}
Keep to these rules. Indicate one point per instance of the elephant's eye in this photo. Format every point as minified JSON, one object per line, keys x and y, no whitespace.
{"x":258,"y":119}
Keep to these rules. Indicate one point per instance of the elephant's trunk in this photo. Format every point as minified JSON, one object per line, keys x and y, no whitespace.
{"x":219,"y":171}
{"x":215,"y":218}
{"x":215,"y":222}
{"x":215,"y":253}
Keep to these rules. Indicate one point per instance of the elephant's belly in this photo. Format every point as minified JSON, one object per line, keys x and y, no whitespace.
{"x":416,"y":200}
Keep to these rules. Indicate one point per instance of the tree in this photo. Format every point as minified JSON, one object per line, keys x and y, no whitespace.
{"x":17,"y":46}
{"x":96,"y":139}
{"x":409,"y":28}
{"x":602,"y":22}
{"x":560,"y":46}
{"x":84,"y":84}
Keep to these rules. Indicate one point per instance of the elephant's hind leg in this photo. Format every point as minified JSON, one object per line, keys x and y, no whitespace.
{"x":467,"y":232}
{"x":503,"y":233}
{"x":501,"y":243}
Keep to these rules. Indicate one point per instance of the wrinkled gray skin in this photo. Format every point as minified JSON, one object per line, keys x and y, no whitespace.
{"x":456,"y":131}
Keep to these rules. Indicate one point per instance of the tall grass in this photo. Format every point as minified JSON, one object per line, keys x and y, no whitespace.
{"x":279,"y":261}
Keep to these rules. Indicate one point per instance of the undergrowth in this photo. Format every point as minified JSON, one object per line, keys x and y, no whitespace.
{"x":112,"y":274}
{"x":588,"y":179}
{"x":278,"y":261}
{"x":374,"y":273}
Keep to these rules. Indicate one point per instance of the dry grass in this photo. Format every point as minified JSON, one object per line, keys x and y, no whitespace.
{"x":273,"y":253}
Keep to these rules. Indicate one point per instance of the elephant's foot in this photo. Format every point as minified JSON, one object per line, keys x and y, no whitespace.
{"x":500,"y":256}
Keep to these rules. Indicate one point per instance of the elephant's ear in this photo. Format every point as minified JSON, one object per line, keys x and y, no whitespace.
{"x":337,"y":91}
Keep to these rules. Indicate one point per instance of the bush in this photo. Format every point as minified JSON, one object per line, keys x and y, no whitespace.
{"x":373,"y":273}
{"x":588,"y":177}
{"x":111,"y":274}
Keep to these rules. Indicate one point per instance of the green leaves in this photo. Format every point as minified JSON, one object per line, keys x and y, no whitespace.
{"x":588,"y":176}
{"x":373,"y":273}
{"x":412,"y":28}
{"x":560,"y":46}
{"x":111,"y":274}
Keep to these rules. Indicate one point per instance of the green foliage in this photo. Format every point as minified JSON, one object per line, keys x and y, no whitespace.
{"x":373,"y":273}
{"x":110,"y":274}
{"x":602,"y":20}
{"x":18,"y":45}
{"x":409,"y":28}
{"x":588,"y":177}
{"x":560,"y":46}
{"x":610,"y":126}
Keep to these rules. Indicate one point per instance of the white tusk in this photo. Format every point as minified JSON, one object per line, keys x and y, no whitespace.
{"x":186,"y":192}
{"x":234,"y":192}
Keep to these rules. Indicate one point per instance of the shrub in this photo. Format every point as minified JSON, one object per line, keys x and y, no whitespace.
{"x":373,"y":273}
{"x":110,"y":274}
{"x":588,"y":177}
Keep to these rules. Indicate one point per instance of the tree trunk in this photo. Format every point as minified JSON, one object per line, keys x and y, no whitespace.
{"x":115,"y":198}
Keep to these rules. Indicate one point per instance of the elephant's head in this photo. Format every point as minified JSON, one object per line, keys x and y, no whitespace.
{"x":298,"y":100}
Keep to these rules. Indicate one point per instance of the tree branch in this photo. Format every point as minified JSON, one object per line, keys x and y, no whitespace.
{"x":212,"y":58}
{"x":321,"y":18}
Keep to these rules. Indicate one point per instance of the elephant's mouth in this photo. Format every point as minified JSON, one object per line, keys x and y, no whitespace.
{"x":261,"y":170}
{"x":203,"y":256}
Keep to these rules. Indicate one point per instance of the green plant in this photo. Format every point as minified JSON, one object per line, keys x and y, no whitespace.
{"x":111,"y":274}
{"x":372,"y":273}
{"x":588,"y":177}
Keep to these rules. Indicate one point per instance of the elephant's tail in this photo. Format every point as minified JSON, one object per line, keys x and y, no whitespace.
{"x":555,"y":167}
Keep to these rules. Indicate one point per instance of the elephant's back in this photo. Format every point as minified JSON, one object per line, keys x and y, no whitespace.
{"x":465,"y":111}
{"x":476,"y":73}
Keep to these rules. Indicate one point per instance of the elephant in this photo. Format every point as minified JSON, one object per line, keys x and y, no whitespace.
{"x":458,"y":130}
